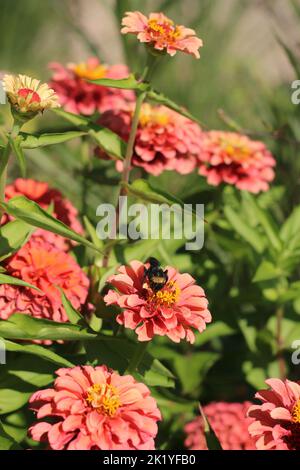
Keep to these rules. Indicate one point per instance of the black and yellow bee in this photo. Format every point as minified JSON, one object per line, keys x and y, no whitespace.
{"x":155,"y":275}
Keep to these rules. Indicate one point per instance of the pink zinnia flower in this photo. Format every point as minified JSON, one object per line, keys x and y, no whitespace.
{"x":41,"y":264}
{"x":45,"y":196}
{"x":229,"y":157}
{"x":78,"y":96}
{"x":165,"y":140}
{"x":172,"y":311}
{"x":277,"y":421}
{"x":161,"y":33}
{"x":229,"y":422}
{"x":95,"y":409}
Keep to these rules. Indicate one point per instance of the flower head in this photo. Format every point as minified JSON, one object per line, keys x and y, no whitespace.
{"x":41,"y":264}
{"x":235,"y":159}
{"x":159,"y":32}
{"x":28,"y":96}
{"x":95,"y":409}
{"x":79,"y":96}
{"x":276,"y":423}
{"x":172,"y":311}
{"x":165,"y":140}
{"x":229,"y":422}
{"x":42,"y":194}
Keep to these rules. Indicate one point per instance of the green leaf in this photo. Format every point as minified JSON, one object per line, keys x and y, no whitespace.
{"x":13,"y":236}
{"x":5,"y":279}
{"x":198,"y":366}
{"x":211,"y":439}
{"x":20,"y":326}
{"x":262,"y":216}
{"x":129,"y":83}
{"x":294,"y":61}
{"x":74,"y":316}
{"x":36,"y":350}
{"x":16,"y":146}
{"x":117,"y":352}
{"x":4,"y":156}
{"x":267,"y":272}
{"x":6,"y":441}
{"x":76,"y":119}
{"x":244,"y":230}
{"x":31,"y":213}
{"x":31,"y":141}
{"x":215,"y":330}
{"x":144,"y":190}
{"x":108,"y":141}
{"x":291,"y":227}
{"x":161,"y":99}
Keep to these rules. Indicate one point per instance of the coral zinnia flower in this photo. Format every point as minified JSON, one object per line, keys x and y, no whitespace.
{"x":44,"y":266}
{"x":172,"y":311}
{"x":233,"y":158}
{"x":78,"y":96}
{"x":45,"y":196}
{"x":277,"y":420}
{"x":229,"y":422}
{"x":95,"y":409}
{"x":165,"y":140}
{"x":28,"y":96}
{"x":161,"y":33}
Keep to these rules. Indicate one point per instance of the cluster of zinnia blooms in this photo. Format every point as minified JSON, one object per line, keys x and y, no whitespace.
{"x":276,"y":422}
{"x":79,"y":96}
{"x":43,"y":261}
{"x":94,"y":408}
{"x":173,"y":311}
{"x":229,"y":422}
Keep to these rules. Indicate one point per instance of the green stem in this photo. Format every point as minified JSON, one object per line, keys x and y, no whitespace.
{"x":137,"y":357}
{"x":4,"y":165}
{"x":130,"y":146}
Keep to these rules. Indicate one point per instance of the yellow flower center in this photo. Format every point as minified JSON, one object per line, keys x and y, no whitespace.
{"x":237,"y":150}
{"x":167,"y":296}
{"x":296,"y":413}
{"x":164,"y":29}
{"x":104,"y":398}
{"x":89,"y":72}
{"x":153,"y":115}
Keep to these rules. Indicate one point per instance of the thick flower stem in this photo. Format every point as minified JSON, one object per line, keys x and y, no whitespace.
{"x":137,"y":357}
{"x":130,"y":147}
{"x":4,"y":165}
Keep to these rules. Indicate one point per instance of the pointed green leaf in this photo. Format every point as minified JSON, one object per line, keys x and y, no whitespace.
{"x":129,"y":83}
{"x":244,"y":230}
{"x":72,"y":314}
{"x":31,"y":213}
{"x":212,"y":441}
{"x":161,"y":99}
{"x":13,"y":236}
{"x":36,"y":350}
{"x":20,"y":326}
{"x":5,"y":279}
{"x":31,"y":141}
{"x":16,"y":146}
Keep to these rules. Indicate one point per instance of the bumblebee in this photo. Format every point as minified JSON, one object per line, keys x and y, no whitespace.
{"x":155,"y":275}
